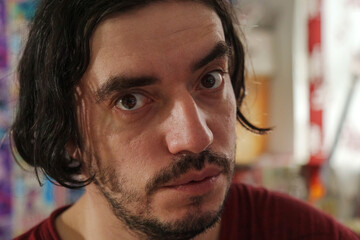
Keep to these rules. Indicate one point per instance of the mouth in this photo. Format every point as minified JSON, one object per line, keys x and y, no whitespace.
{"x":196,"y":182}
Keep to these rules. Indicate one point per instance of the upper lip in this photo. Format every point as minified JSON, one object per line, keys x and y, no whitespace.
{"x":195,"y":176}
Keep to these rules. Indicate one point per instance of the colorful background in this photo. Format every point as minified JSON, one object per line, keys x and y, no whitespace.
{"x":299,"y":76}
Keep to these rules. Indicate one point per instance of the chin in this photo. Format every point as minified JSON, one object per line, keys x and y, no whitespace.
{"x":187,"y":207}
{"x":190,"y":224}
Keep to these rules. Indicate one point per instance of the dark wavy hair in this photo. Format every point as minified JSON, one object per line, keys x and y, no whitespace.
{"x":56,"y":56}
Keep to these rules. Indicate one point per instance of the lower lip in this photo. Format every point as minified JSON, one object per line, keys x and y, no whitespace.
{"x":197,"y":188}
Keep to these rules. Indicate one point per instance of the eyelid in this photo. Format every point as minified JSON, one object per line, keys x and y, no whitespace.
{"x":220,"y":65}
{"x":217,"y":70}
{"x":116,"y":100}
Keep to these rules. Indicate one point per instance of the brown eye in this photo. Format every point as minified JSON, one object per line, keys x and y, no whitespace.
{"x":212,"y":80}
{"x":130,"y":102}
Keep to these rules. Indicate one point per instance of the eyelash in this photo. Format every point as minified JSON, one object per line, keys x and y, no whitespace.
{"x":117,"y":100}
{"x":146,"y":99}
{"x":222,"y":74}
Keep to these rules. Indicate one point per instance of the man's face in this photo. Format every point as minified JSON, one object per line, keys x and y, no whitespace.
{"x":157,"y":113}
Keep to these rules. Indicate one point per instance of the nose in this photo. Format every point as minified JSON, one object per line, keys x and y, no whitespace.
{"x":187,"y":129}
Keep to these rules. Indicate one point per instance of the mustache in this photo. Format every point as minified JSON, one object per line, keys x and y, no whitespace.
{"x":183,"y":164}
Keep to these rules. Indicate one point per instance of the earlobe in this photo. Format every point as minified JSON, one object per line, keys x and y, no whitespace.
{"x":74,"y":157}
{"x":73,"y":151}
{"x":76,"y":160}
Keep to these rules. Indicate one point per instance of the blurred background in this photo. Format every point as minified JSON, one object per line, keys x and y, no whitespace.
{"x":303,"y":69}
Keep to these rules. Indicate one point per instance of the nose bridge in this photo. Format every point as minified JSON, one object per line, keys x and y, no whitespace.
{"x":188,"y":130}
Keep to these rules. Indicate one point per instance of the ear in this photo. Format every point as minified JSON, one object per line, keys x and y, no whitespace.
{"x":75,"y":160}
{"x":73,"y":151}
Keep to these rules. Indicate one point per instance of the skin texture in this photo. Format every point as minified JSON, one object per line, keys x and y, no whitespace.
{"x":176,"y":118}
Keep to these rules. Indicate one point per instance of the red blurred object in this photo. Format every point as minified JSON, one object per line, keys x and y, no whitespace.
{"x":316,"y":84}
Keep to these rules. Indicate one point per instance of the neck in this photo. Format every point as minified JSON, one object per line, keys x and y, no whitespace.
{"x":91,"y":218}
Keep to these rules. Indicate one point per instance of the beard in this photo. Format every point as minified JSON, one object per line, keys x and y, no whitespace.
{"x":143,"y":223}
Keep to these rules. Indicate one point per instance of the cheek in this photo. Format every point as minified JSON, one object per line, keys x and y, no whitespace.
{"x":134,"y":153}
{"x":224,"y":120}
{"x":132,"y":150}
{"x":224,"y":132}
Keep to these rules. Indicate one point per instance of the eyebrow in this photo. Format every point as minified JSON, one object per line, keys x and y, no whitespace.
{"x":121,"y":83}
{"x":220,"y":50}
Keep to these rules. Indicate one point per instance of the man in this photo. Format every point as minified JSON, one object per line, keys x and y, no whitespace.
{"x":138,"y":101}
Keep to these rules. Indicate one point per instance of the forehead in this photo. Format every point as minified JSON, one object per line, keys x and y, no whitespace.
{"x":159,"y":31}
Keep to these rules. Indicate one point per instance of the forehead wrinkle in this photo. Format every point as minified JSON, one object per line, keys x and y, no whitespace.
{"x":158,"y":23}
{"x":208,"y":29}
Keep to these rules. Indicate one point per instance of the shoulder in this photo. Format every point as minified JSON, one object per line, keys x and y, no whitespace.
{"x":45,"y":230}
{"x":268,"y":213}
